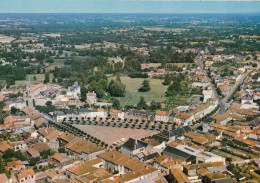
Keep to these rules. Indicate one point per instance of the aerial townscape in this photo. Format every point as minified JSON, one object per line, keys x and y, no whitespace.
{"x":129,"y":98}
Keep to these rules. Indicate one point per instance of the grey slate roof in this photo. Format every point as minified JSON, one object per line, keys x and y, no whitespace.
{"x":247,"y":97}
{"x":254,"y":123}
{"x":84,"y":110}
{"x":134,"y":144}
{"x":177,"y":152}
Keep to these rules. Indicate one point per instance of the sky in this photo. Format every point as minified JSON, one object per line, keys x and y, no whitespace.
{"x":129,"y":6}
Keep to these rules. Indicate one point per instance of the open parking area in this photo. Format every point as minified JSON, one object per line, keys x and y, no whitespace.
{"x":113,"y":134}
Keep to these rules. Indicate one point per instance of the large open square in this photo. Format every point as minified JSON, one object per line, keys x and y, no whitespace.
{"x":114,"y":134}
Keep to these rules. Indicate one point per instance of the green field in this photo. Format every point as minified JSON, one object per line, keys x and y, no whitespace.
{"x":39,"y":79}
{"x":57,"y":63}
{"x":132,"y":96}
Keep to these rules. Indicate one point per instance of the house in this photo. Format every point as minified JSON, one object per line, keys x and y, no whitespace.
{"x":4,"y":147}
{"x":248,"y":103}
{"x":131,"y":169}
{"x":177,"y":176}
{"x":217,"y":177}
{"x":65,"y":138}
{"x":98,"y":113}
{"x":34,"y":150}
{"x":91,"y":98}
{"x":50,"y":136}
{"x":62,"y":161}
{"x":202,"y":111}
{"x":116,"y":114}
{"x":74,"y":90}
{"x":164,"y":164}
{"x":173,"y":135}
{"x":40,"y":122}
{"x":254,"y":124}
{"x":205,"y":124}
{"x":26,"y":176}
{"x":54,"y":175}
{"x":59,"y":116}
{"x":140,"y":115}
{"x":198,"y":138}
{"x":176,"y":154}
{"x":84,"y":149}
{"x":79,"y":169}
{"x":163,"y":116}
{"x":183,"y":118}
{"x":207,"y":93}
{"x":222,"y":119}
{"x":156,"y":145}
{"x":4,"y":178}
{"x":18,"y":145}
{"x":18,"y":103}
{"x":223,"y":88}
{"x":84,"y":113}
{"x":133,"y":147}
{"x":71,"y":115}
{"x":208,"y":157}
{"x":36,"y":89}
{"x":191,"y":155}
{"x":97,"y":175}
{"x":14,"y":165}
{"x":13,"y":120}
{"x":193,"y":170}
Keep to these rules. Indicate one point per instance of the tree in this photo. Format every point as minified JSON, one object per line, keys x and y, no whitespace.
{"x":48,"y":103}
{"x":61,"y":150}
{"x":142,"y":104}
{"x":155,"y":105}
{"x":83,"y":91}
{"x":145,"y":86}
{"x":53,"y":80}
{"x":167,"y":80}
{"x":174,"y":88}
{"x":116,"y":88}
{"x":116,"y":103}
{"x":47,"y":78}
{"x":13,"y":110}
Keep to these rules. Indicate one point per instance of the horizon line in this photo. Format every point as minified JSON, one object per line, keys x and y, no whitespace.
{"x":128,"y":13}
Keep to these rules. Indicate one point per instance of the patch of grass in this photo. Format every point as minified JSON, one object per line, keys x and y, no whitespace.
{"x":132,"y":96}
{"x":57,"y":63}
{"x":39,"y":79}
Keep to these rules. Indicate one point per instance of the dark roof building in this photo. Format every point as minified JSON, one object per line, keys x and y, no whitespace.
{"x":133,"y":144}
{"x":177,"y":154}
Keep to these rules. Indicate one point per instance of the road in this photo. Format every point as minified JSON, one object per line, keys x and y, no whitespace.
{"x":29,"y":98}
{"x":239,"y":82}
{"x":222,"y":104}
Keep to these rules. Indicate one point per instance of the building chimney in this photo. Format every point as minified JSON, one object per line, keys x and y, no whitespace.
{"x":135,"y":145}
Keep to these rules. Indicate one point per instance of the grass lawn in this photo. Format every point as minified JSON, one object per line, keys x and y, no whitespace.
{"x":39,"y":79}
{"x":132,"y":97}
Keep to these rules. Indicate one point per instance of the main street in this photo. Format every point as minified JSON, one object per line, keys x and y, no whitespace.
{"x":239,"y":82}
{"x":222,"y":104}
